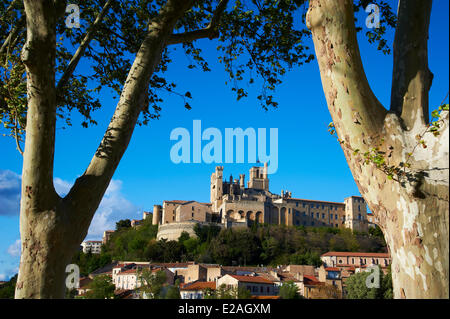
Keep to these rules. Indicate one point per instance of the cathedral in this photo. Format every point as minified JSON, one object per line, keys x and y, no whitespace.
{"x":235,"y":203}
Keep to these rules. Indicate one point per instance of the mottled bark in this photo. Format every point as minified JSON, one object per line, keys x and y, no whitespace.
{"x":412,"y":211}
{"x":51,"y":227}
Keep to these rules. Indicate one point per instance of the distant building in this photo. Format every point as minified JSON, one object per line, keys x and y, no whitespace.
{"x":106,"y":236}
{"x":146,"y":215}
{"x":93,"y":246}
{"x":355,"y":259}
{"x":372,"y":220}
{"x":84,"y":285}
{"x":257,"y":285}
{"x":136,"y":222}
{"x":196,"y":289}
{"x":127,"y":276}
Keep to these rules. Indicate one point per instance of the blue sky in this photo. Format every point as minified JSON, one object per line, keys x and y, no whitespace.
{"x":311,"y":162}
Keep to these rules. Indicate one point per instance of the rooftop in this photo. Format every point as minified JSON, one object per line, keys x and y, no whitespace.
{"x":253,"y":279}
{"x":199,"y":285}
{"x":357,"y":254}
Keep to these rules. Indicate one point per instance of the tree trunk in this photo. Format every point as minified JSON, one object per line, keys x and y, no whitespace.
{"x":412,"y":210}
{"x":51,"y":227}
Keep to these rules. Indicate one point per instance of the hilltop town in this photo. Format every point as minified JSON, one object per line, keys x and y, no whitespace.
{"x":236,"y":206}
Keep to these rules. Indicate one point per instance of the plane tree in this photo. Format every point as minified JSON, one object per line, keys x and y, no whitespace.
{"x":128,"y":47}
{"x":399,"y":157}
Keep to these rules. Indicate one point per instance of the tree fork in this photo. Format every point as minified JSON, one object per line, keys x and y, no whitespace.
{"x":413,"y":213}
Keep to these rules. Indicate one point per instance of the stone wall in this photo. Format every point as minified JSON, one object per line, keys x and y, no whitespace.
{"x":172,"y":231}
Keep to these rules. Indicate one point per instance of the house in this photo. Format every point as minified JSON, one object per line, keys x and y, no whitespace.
{"x":129,"y":276}
{"x":331,"y":276}
{"x":136,"y":222}
{"x":257,"y":285}
{"x":93,"y":246}
{"x":106,"y":236}
{"x":84,"y":285}
{"x":355,"y":259}
{"x":311,"y":284}
{"x":193,"y":272}
{"x":196,"y":289}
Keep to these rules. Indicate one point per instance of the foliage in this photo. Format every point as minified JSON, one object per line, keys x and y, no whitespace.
{"x":174,"y":291}
{"x":257,"y":43}
{"x":152,"y":283}
{"x":357,"y":288}
{"x":289,"y":290}
{"x":101,"y":287}
{"x":131,"y":243}
{"x":264,"y":244}
{"x":7,"y":290}
{"x":123,"y":223}
{"x":376,"y":231}
{"x":89,"y":262}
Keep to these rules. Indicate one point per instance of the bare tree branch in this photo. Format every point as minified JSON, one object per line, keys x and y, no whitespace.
{"x":81,"y":49}
{"x":12,"y":36}
{"x":209,"y":32}
{"x":16,"y":135}
{"x":11,"y":5}
{"x":411,"y":78}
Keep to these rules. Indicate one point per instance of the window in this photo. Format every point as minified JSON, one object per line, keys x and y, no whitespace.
{"x":317,"y":206}
{"x":323,"y":206}
{"x":262,"y":289}
{"x":296,"y":204}
{"x":317,"y":215}
{"x":336,"y":216}
{"x":323,"y":216}
{"x":337,"y":225}
{"x":303,"y":204}
{"x":331,"y":216}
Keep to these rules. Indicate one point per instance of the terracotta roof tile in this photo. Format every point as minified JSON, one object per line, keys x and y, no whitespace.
{"x":355,"y":254}
{"x":265,"y":297}
{"x":199,"y":285}
{"x":254,"y":279}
